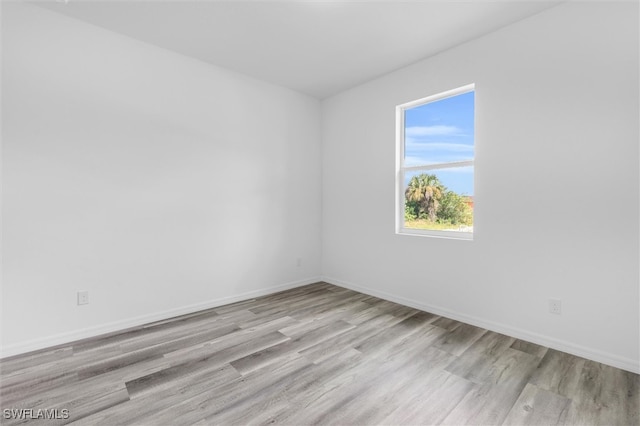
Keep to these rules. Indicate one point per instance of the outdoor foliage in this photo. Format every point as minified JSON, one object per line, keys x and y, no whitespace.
{"x":427,"y":198}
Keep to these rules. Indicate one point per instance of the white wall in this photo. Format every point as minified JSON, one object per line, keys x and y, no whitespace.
{"x":158,"y":183}
{"x":556,"y":185}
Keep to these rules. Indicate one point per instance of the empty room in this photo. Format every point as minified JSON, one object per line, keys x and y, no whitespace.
{"x":320,"y":212}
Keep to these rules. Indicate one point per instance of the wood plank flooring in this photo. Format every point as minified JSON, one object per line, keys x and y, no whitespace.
{"x":318,"y":354}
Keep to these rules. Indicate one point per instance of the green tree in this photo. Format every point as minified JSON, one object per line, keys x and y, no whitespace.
{"x":427,"y":198}
{"x":423,"y":195}
{"x":454,"y":209}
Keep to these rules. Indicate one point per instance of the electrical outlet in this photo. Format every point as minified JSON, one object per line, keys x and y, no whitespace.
{"x":83,"y":297}
{"x":555,"y":306}
{"x":299,"y":262}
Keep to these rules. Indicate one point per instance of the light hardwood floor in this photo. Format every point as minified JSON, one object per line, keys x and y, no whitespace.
{"x":318,"y":354}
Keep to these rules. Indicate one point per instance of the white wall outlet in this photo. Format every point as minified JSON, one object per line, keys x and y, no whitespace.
{"x":299,"y":262}
{"x":83,"y":297}
{"x":555,"y":306}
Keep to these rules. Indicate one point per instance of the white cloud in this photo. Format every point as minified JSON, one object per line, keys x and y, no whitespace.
{"x":437,"y":130}
{"x":421,"y":161}
{"x":413,"y":145}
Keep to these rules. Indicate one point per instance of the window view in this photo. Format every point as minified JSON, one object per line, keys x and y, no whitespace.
{"x":435,"y":173}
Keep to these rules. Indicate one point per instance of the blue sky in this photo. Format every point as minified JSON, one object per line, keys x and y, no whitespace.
{"x":439,"y":132}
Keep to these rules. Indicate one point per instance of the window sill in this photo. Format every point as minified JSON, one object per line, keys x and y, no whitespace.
{"x":450,"y":235}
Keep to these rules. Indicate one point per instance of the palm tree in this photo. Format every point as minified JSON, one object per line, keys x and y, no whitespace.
{"x":426,"y":190}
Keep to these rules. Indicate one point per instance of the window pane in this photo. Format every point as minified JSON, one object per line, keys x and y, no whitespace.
{"x":440,"y":131}
{"x":439,"y":199}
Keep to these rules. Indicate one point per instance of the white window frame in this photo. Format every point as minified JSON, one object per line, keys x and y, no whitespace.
{"x":401,"y":169}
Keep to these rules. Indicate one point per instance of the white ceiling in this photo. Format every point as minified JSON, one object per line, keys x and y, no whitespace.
{"x":315,"y":47}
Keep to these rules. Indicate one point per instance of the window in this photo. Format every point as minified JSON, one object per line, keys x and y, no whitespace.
{"x":435,"y":153}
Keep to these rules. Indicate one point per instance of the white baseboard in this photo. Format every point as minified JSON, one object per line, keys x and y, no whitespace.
{"x":72,"y":336}
{"x":613,"y":360}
